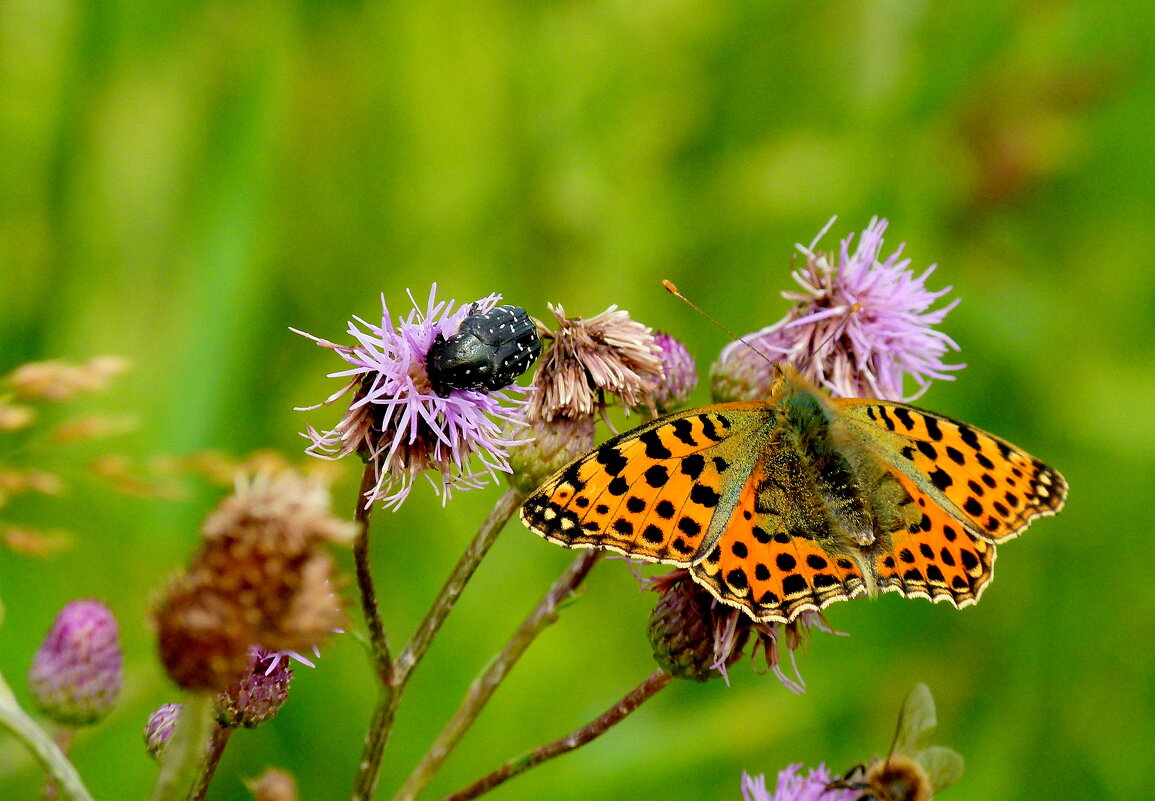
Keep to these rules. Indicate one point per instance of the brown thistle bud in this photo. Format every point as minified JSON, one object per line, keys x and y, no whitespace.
{"x":587,"y":358}
{"x":260,"y":578}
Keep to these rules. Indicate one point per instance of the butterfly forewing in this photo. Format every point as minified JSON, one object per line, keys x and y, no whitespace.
{"x":988,"y":485}
{"x":652,"y":493}
{"x":788,"y":505}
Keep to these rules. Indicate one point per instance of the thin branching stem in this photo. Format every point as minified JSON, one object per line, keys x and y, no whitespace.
{"x":592,"y":730}
{"x":483,"y":687}
{"x":220,"y":738}
{"x":464,"y":569}
{"x":378,"y":642}
{"x":395,"y":674}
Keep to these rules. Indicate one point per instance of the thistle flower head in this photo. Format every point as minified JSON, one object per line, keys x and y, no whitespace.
{"x":680,"y":374}
{"x":793,"y":786}
{"x":159,"y":728}
{"x":76,"y":676}
{"x":859,"y":327}
{"x":258,"y":694}
{"x":696,"y":637}
{"x":608,"y":353}
{"x":260,"y":578}
{"x":397,"y":421}
{"x":552,"y":445}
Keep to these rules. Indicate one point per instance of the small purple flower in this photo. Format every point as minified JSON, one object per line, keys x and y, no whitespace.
{"x":158,"y":730}
{"x":680,"y":374}
{"x":400,"y":424}
{"x":258,"y":694}
{"x":793,"y":786}
{"x":76,"y":676}
{"x":859,"y":327}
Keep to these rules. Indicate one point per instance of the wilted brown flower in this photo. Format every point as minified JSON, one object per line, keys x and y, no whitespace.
{"x":260,"y":578}
{"x":584,"y":359}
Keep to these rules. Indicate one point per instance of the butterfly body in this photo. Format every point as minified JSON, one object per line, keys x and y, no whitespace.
{"x":790,"y":504}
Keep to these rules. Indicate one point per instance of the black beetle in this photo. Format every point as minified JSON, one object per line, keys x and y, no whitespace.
{"x":488,"y":352}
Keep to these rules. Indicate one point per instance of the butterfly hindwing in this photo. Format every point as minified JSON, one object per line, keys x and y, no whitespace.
{"x":652,"y":492}
{"x":935,"y":557}
{"x":988,"y":485}
{"x":777,"y":557}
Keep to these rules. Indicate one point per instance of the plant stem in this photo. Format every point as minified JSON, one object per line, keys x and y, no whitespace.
{"x":379,"y":643}
{"x":595,"y":728}
{"x":369,"y":768}
{"x":482,"y":541}
{"x":399,"y":671}
{"x":483,"y":687}
{"x":37,"y":741}
{"x":186,"y":750}
{"x":220,"y":738}
{"x":64,"y":737}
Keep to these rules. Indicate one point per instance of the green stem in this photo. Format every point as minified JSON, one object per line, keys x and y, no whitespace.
{"x":184,"y":757}
{"x":399,"y":671}
{"x":484,"y":686}
{"x":592,"y":730}
{"x":464,"y":569}
{"x":40,"y":744}
{"x":220,"y":738}
{"x":369,"y":768}
{"x":378,"y":642}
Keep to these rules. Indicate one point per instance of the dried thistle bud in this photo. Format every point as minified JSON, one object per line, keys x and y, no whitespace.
{"x":261,"y":578}
{"x":258,"y":694}
{"x":273,"y":785}
{"x":588,"y":358}
{"x":14,"y":418}
{"x":159,"y":728}
{"x":279,"y":509}
{"x":33,"y":542}
{"x":76,"y":676}
{"x":552,"y":445}
{"x":202,"y":638}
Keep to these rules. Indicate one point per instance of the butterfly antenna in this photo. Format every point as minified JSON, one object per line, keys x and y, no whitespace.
{"x":897,"y":732}
{"x":673,"y":290}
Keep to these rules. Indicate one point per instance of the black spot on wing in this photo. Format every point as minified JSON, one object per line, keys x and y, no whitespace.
{"x":684,"y":431}
{"x":654,"y":447}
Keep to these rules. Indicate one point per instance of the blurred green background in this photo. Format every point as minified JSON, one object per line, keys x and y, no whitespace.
{"x":181,"y":182}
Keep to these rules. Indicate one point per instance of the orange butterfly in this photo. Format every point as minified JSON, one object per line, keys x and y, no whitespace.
{"x":788,"y":505}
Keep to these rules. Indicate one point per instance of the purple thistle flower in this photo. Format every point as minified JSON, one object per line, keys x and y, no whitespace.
{"x":859,"y":327}
{"x":400,"y":424}
{"x":76,"y":676}
{"x":793,"y":786}
{"x":695,"y":637}
{"x":158,"y":730}
{"x":259,"y":693}
{"x":680,"y":374}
